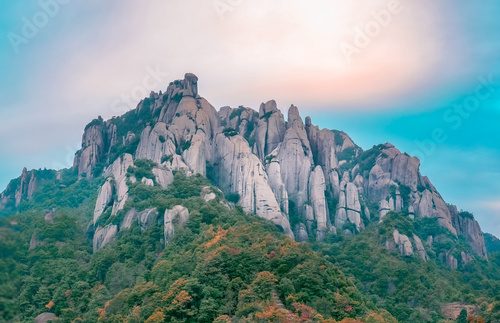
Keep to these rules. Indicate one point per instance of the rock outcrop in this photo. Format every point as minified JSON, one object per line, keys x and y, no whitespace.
{"x":46,"y":318}
{"x":174,"y":218}
{"x":103,"y":236}
{"x":469,"y":228}
{"x":403,"y":243}
{"x":242,"y":173}
{"x":24,"y":187}
{"x":270,"y":130}
{"x":146,"y":219}
{"x":115,"y":190}
{"x":98,"y":138}
{"x":317,"y":189}
{"x":451,"y":311}
{"x":419,"y":247}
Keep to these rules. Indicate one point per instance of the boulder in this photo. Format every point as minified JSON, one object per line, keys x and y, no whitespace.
{"x":207,"y":194}
{"x":301,"y":232}
{"x":128,"y":220}
{"x":147,"y":181}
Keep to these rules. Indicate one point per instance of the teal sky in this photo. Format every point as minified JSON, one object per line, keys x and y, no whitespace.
{"x":428,"y":79}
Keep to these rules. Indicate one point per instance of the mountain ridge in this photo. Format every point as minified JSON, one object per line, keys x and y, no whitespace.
{"x":175,"y":211}
{"x":308,"y":181}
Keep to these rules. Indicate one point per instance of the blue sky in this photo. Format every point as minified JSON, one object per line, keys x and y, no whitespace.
{"x":426,"y":79}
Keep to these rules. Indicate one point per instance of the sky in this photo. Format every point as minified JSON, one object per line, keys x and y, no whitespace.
{"x":423,"y":75}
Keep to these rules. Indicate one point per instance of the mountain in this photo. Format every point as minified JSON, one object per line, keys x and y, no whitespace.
{"x":162,"y":198}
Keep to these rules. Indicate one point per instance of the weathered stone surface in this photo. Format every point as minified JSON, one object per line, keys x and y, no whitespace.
{"x":469,"y":228}
{"x":393,"y":170}
{"x":301,"y":232}
{"x":273,"y":169}
{"x":156,"y":143}
{"x":98,"y":138}
{"x":242,"y":172}
{"x":163,"y":176}
{"x":146,"y":219}
{"x":103,"y":236}
{"x":430,"y":204}
{"x":147,"y":181}
{"x":419,"y":247}
{"x":447,"y":258}
{"x":175,"y":217}
{"x":104,"y":199}
{"x":317,"y":188}
{"x":295,"y":159}
{"x":49,"y":216}
{"x":118,"y":171}
{"x":128,"y":219}
{"x":46,"y":317}
{"x":384,"y":208}
{"x":188,"y":87}
{"x":207,"y":194}
{"x":403,"y":243}
{"x":405,"y":170}
{"x":270,"y":129}
{"x":243,"y":120}
{"x":452,"y":310}
{"x":115,"y":189}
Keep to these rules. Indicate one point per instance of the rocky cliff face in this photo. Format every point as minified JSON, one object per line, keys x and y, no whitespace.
{"x":308,"y":181}
{"x":98,"y":138}
{"x":22,"y":188}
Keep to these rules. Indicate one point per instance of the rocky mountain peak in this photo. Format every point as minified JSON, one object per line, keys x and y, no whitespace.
{"x":294,"y":116}
{"x":308,"y":181}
